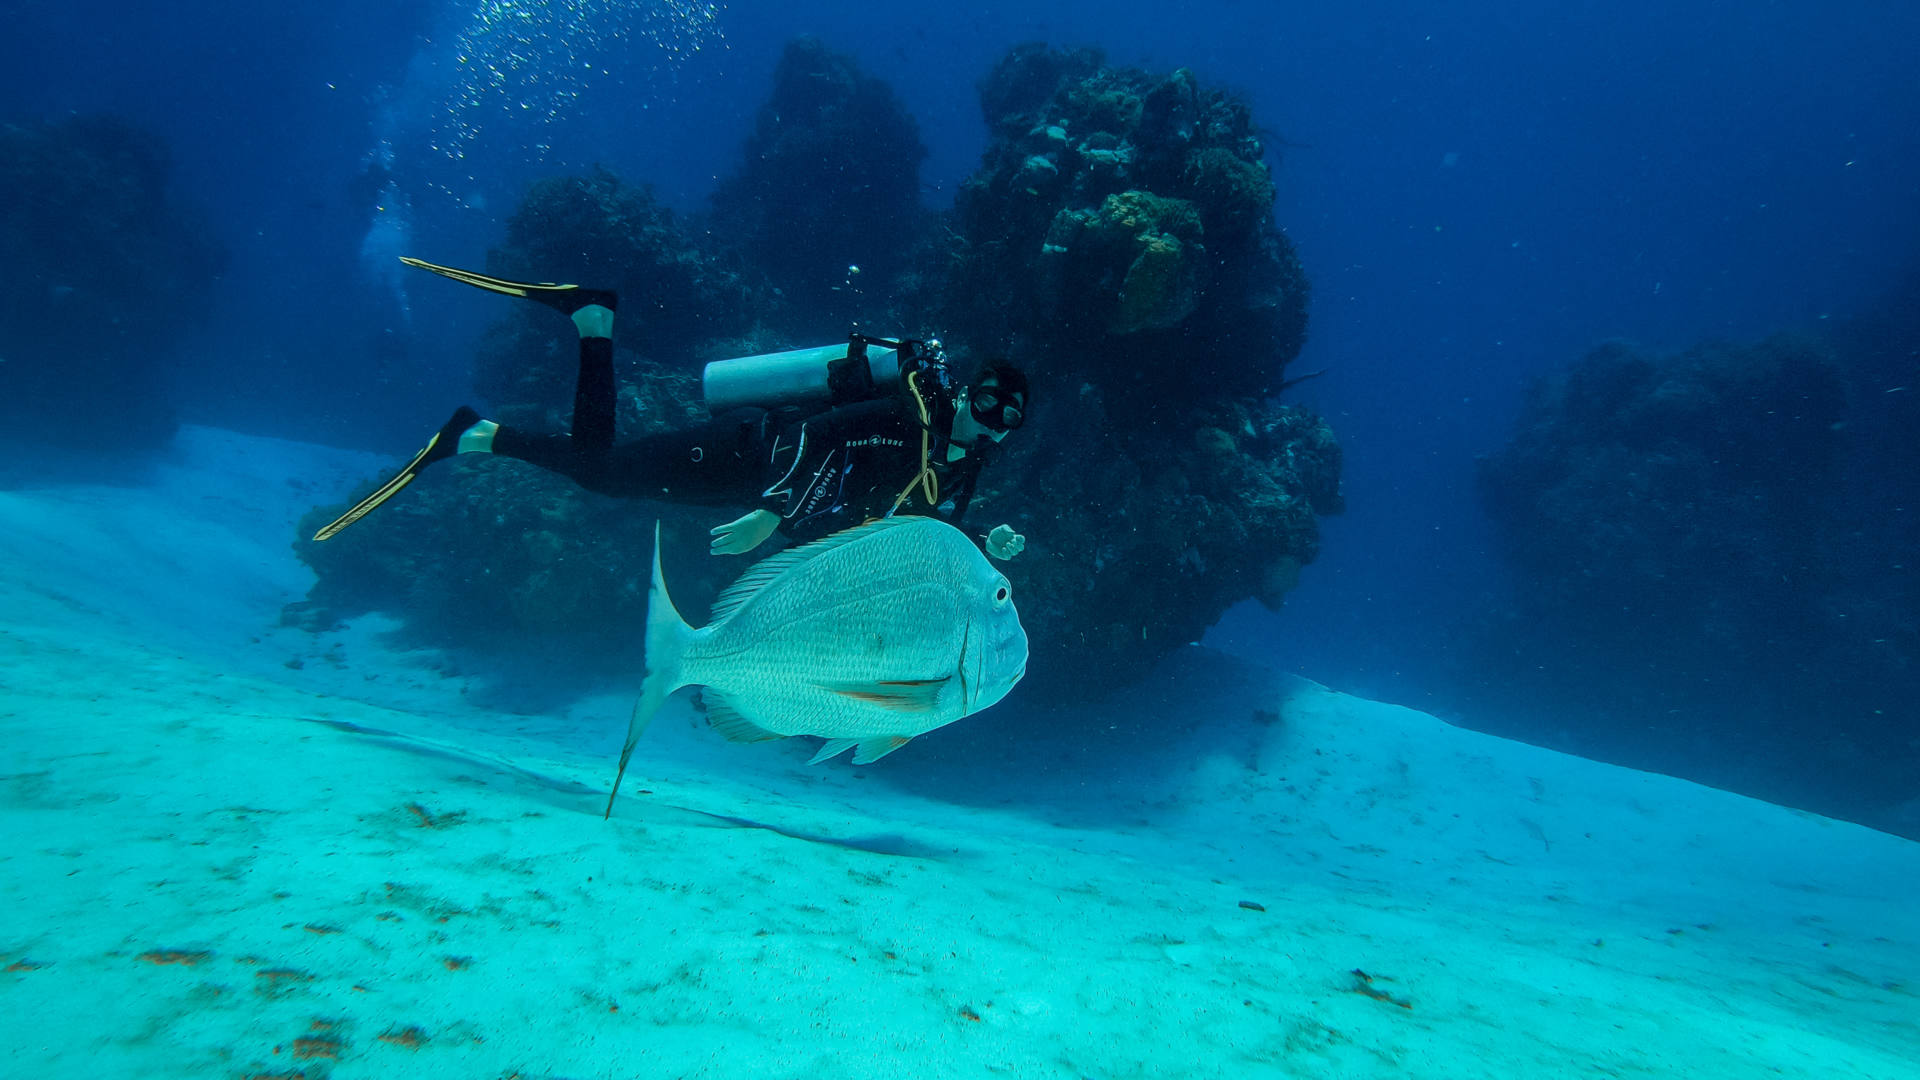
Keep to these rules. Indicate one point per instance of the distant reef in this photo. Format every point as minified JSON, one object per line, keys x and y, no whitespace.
{"x":1117,"y":241}
{"x":1716,"y":548}
{"x":102,"y":269}
{"x":825,"y":203}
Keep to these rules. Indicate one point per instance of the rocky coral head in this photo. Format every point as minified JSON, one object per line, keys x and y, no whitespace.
{"x":830,"y":178}
{"x":1028,"y":77}
{"x":93,"y":228}
{"x":1112,"y":203}
{"x":811,"y":80}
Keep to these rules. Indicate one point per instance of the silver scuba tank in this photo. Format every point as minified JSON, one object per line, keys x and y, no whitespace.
{"x":794,"y":377}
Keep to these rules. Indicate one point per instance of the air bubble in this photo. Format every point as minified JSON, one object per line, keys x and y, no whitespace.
{"x":522,"y":58}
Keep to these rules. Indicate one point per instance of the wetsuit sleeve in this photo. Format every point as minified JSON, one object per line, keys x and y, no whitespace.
{"x":962,"y":494}
{"x":809,"y":481}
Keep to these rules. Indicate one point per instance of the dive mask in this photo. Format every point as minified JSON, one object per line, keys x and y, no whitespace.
{"x":992,"y":408}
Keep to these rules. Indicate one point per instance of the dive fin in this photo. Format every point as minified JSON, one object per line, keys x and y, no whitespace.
{"x":444,"y":444}
{"x":566,"y":299}
{"x":668,"y":636}
{"x":901,"y":695}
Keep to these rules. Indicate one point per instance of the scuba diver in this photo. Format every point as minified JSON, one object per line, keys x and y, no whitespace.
{"x":894,"y":431}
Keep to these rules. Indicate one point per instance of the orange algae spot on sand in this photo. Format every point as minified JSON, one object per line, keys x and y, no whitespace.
{"x":1363,"y":984}
{"x":319,"y":1041}
{"x":274,"y":982}
{"x":324,"y":1046}
{"x":430,"y":820}
{"x":298,"y":1074}
{"x":457,"y":963}
{"x":410,"y":1037}
{"x":283,"y":975}
{"x":175,"y":956}
{"x":322,"y":929}
{"x":967,"y":1011}
{"x":24,"y":964}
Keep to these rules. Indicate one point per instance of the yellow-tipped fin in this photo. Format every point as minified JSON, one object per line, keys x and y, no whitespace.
{"x":380,"y":494}
{"x":530,"y":289}
{"x":444,"y":444}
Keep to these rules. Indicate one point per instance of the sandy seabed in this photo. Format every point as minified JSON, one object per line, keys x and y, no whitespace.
{"x":218,"y":865}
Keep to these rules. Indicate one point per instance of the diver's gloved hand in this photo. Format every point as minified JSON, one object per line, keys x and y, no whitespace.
{"x":1003,"y":543}
{"x":743,"y":534}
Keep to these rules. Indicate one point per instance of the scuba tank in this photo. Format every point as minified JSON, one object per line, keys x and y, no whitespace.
{"x":824,"y":376}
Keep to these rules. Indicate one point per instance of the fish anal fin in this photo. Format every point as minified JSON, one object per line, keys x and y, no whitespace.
{"x":872,"y":750}
{"x":831,"y":749}
{"x":726,"y":720}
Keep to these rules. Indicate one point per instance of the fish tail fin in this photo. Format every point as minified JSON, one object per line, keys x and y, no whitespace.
{"x":668,"y":636}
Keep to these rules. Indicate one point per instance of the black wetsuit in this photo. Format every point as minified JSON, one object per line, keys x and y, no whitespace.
{"x":820,"y":473}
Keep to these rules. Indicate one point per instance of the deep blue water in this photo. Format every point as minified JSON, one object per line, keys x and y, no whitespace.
{"x":1479,"y":195}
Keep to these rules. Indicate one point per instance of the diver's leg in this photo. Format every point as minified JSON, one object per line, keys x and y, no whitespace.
{"x":591,"y":311}
{"x":594,"y":400}
{"x":594,"y":396}
{"x":711,"y":464}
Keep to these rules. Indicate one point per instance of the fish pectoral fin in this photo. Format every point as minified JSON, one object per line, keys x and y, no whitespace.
{"x":831,"y":749}
{"x":729,"y":723}
{"x":904,"y":695}
{"x":872,"y":750}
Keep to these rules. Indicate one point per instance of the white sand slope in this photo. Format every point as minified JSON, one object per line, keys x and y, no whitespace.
{"x":216,"y":866}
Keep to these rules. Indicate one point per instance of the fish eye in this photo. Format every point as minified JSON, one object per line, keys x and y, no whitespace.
{"x":1000,"y":596}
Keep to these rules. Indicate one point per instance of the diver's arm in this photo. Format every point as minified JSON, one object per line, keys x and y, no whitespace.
{"x":1001,"y":542}
{"x":962,"y":496}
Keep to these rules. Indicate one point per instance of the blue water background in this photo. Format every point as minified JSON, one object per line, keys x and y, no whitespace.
{"x":1479,"y":193}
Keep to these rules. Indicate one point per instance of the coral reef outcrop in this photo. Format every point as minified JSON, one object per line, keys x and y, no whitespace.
{"x":1675,"y":499}
{"x":102,"y":269}
{"x":1123,"y":222}
{"x":826,"y":201}
{"x":677,"y":299}
{"x":1712,"y":565}
{"x":1118,"y":240}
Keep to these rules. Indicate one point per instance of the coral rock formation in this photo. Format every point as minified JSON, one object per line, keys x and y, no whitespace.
{"x":103,"y":269}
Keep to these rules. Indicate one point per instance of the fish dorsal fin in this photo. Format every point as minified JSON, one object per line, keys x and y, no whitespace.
{"x":732,"y":727}
{"x":900,"y":695}
{"x":757,"y":575}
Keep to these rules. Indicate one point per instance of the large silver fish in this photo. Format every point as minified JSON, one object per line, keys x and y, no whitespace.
{"x":866,"y":639}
